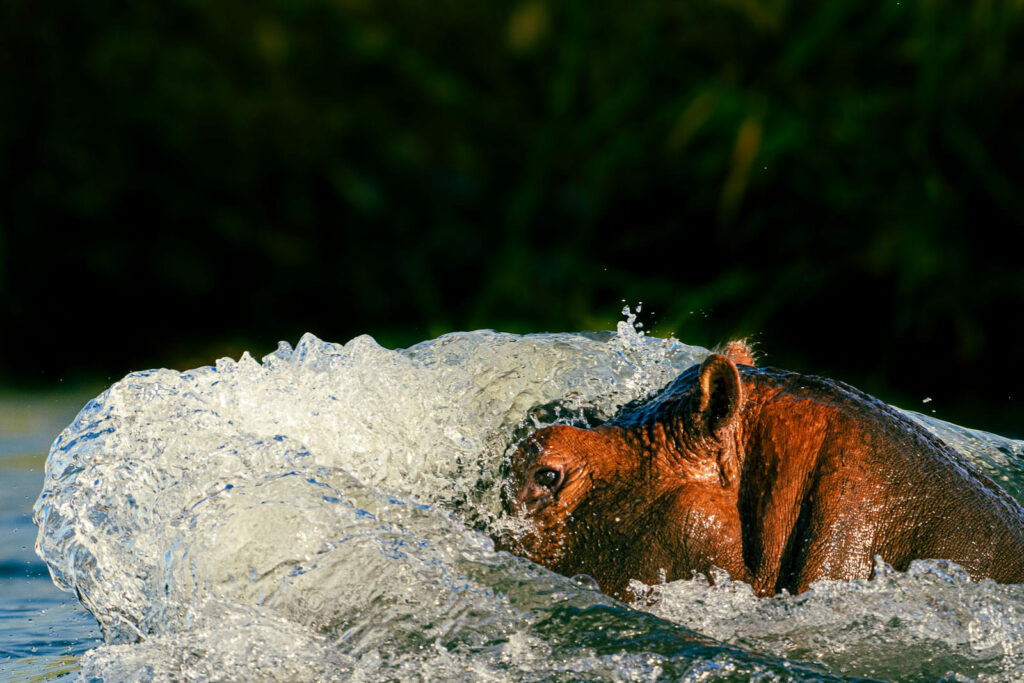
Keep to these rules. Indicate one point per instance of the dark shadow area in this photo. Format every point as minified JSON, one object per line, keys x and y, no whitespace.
{"x":182,"y":180}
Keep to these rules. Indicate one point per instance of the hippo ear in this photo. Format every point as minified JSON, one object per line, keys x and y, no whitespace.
{"x":720,"y":393}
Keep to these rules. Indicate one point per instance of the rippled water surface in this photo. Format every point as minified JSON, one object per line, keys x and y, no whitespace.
{"x":42,"y":630}
{"x":323,"y":515}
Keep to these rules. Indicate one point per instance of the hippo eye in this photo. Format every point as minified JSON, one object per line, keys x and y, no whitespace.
{"x":546,"y":477}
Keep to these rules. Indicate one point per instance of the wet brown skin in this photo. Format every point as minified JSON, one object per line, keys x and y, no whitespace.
{"x":781,"y":479}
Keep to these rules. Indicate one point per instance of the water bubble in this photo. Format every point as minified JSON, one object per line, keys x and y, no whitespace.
{"x":586,"y":581}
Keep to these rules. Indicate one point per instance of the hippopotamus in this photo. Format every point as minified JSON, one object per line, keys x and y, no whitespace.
{"x":780,"y":479}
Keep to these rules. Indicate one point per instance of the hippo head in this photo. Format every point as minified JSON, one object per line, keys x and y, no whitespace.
{"x":566,"y":484}
{"x":619,"y":501}
{"x":558,"y":467}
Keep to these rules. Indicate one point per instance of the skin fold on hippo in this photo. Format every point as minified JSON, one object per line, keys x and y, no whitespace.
{"x":780,"y":479}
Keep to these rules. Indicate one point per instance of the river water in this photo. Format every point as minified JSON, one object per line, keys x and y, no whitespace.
{"x":323,"y":514}
{"x":42,"y":630}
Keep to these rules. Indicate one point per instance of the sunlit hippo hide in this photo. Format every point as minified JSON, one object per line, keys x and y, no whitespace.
{"x":778,"y":478}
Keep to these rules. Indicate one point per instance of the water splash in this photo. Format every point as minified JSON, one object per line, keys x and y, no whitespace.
{"x":921,"y":624}
{"x":325,"y":514}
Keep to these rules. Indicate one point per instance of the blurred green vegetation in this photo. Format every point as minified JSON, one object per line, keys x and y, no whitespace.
{"x":840,"y":181}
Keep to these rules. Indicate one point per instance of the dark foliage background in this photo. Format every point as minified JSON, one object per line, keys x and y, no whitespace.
{"x":840,"y":181}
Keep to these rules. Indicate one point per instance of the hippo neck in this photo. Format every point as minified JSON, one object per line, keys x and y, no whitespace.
{"x":777,"y":402}
{"x":788,"y":425}
{"x":806,"y":409}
